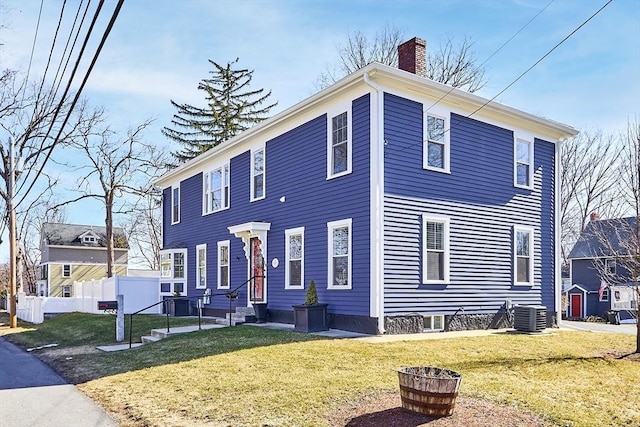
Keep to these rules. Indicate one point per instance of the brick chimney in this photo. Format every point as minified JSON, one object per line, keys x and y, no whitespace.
{"x":594,"y":217}
{"x":412,"y":56}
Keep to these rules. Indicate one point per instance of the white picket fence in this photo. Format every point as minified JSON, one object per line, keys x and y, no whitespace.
{"x":138,"y":292}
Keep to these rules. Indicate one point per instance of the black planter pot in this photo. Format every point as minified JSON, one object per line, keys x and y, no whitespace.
{"x":310,"y":318}
{"x":261,"y":312}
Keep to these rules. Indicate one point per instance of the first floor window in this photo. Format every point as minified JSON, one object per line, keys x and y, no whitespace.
{"x":66,"y":270}
{"x":223,"y":265}
{"x":172,"y":263}
{"x":165,"y":264}
{"x":605,"y":295}
{"x":66,"y":291}
{"x":523,"y":255}
{"x":339,"y":254}
{"x":201,"y":269}
{"x":435,"y":249}
{"x":294,"y":274}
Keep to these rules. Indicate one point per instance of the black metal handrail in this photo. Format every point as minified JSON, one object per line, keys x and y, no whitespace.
{"x":164,"y":301}
{"x":230,"y":294}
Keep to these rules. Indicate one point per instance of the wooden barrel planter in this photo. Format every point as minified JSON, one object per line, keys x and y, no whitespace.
{"x":429,"y":390}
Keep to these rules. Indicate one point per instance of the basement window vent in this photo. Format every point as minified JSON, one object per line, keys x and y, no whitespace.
{"x":433,"y":322}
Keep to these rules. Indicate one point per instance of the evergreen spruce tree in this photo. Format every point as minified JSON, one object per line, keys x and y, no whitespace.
{"x":231,"y":108}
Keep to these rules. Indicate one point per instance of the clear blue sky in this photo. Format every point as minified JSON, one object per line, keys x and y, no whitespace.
{"x":158,"y":51}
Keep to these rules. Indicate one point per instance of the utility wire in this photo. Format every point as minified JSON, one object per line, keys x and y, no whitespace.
{"x":543,"y":57}
{"x":84,"y":81}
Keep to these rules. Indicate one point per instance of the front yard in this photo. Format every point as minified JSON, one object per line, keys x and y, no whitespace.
{"x":248,"y":376}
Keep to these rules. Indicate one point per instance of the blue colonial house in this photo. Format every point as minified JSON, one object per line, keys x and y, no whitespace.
{"x":594,"y":265}
{"x":398,"y":195}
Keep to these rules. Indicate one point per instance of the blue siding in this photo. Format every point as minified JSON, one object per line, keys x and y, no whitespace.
{"x":483,"y":206}
{"x":296,"y":169}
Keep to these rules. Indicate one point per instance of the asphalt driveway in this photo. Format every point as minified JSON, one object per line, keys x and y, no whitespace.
{"x":32,"y":394}
{"x":629,"y":329}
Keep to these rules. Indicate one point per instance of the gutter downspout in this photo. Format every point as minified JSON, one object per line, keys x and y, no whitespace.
{"x":376,"y":171}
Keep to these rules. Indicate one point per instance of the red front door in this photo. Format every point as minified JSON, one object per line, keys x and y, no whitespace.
{"x":576,"y":305}
{"x":257,"y":291}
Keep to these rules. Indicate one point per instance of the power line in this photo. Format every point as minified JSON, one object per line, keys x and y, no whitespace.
{"x":541,"y":59}
{"x":84,"y":81}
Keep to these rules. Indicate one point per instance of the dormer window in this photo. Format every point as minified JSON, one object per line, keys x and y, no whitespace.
{"x":88,"y":239}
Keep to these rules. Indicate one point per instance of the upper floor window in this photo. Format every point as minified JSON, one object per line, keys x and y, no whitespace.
{"x":175,"y":204}
{"x":66,"y":270}
{"x":610,"y":265}
{"x":339,"y":254}
{"x":223,"y":265}
{"x":257,"y":174}
{"x":435,"y":251}
{"x":339,"y":145}
{"x":216,"y":189}
{"x":523,"y":255}
{"x":294,"y":254}
{"x":173,"y":263}
{"x":201,"y":266}
{"x":88,"y":239}
{"x":523,"y":167}
{"x":436,"y":144}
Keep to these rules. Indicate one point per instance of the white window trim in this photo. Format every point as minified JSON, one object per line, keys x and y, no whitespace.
{"x":515,"y":163}
{"x":611,"y":262}
{"x":172,"y":279}
{"x":447,"y":254}
{"x":264,"y":173}
{"x":206,"y":181}
{"x":198,"y":276}
{"x":446,"y":143}
{"x":530,"y":231}
{"x":66,"y":276}
{"x":175,"y":220}
{"x":287,"y":234}
{"x":330,"y":226}
{"x":605,"y":295}
{"x":222,"y":243}
{"x":330,"y":115}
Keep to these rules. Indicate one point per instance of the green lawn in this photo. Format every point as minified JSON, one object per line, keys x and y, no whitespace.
{"x":249,"y":376}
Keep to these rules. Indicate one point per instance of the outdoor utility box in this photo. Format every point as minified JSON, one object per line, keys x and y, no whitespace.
{"x":107,"y":305}
{"x":530,"y":318}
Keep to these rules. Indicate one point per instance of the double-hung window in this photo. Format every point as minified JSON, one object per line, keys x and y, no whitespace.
{"x":258,"y":174}
{"x":339,"y":236}
{"x":435,"y":249}
{"x":523,"y":163}
{"x":294,"y":254}
{"x":66,"y":270}
{"x":523,"y":255}
{"x":201,"y":266}
{"x":223,"y":264}
{"x":436,"y":144}
{"x":610,"y":265}
{"x":173,"y":273}
{"x":216,"y":189}
{"x":175,"y":204}
{"x":339,"y":144}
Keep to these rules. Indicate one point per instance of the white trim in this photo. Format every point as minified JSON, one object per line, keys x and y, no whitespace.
{"x":288,"y":233}
{"x":445,"y":117}
{"x":88,"y":248}
{"x":531,"y":163}
{"x":251,"y":229}
{"x":446,"y":248}
{"x":558,"y":237}
{"x":175,"y":214}
{"x":198,"y":259}
{"x":221,"y":244}
{"x":264,"y":173}
{"x":330,"y":227}
{"x":171,"y":279}
{"x":331,"y":114}
{"x":67,"y":276}
{"x":376,"y":195}
{"x":531,"y":232}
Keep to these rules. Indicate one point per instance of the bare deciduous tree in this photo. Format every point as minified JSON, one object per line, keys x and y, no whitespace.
{"x":117,"y":168}
{"x":588,"y":183}
{"x":620,"y":238}
{"x":451,"y":63}
{"x":143,"y":226}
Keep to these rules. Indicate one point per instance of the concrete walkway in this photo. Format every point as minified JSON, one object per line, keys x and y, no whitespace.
{"x":32,"y":394}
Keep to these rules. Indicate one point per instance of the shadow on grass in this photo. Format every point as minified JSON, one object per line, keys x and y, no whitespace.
{"x":390,"y":417}
{"x":78,"y":361}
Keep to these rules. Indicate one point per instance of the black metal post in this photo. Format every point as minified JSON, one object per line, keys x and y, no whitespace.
{"x":130,"y":328}
{"x":166,"y":309}
{"x":198,"y":308}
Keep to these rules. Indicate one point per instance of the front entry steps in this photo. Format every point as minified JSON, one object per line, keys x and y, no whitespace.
{"x":241,"y":315}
